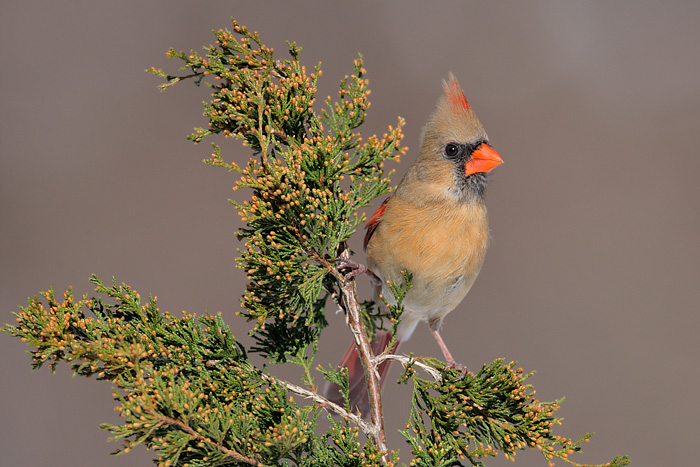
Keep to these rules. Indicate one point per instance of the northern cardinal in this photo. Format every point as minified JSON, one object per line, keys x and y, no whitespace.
{"x":434,"y":226}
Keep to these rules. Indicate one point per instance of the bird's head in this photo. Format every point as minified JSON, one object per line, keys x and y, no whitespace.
{"x":455,"y":150}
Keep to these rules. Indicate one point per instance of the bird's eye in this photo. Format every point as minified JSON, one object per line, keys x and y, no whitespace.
{"x":451,"y":149}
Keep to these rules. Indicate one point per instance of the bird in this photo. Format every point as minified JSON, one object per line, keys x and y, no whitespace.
{"x":434,"y":226}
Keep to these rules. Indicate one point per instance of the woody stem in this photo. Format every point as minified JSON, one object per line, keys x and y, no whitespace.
{"x":357,"y":327}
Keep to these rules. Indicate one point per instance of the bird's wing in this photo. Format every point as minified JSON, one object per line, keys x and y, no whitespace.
{"x":374,"y":221}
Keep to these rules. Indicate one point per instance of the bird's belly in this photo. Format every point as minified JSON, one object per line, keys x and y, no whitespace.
{"x":433,"y":298}
{"x":442,"y":252}
{"x":441,"y":276}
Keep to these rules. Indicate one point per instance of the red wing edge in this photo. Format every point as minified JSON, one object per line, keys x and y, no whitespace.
{"x":373,"y":222}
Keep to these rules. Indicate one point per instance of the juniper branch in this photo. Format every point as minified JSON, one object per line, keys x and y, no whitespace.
{"x":194,"y":434}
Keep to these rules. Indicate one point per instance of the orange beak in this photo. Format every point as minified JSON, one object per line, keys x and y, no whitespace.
{"x":483,"y":160}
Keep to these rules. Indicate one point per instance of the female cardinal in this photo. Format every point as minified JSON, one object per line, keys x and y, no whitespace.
{"x":434,"y":226}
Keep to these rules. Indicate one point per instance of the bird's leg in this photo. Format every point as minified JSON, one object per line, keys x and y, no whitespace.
{"x":451,"y":363}
{"x":356,"y":269}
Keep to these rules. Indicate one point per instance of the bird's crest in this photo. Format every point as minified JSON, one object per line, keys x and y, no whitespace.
{"x":454,"y":94}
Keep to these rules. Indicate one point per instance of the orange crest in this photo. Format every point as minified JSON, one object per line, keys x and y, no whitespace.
{"x":455,"y":95}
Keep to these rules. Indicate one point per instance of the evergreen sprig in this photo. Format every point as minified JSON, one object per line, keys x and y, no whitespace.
{"x":477,"y":415}
{"x":185,"y":386}
{"x":311,"y":175}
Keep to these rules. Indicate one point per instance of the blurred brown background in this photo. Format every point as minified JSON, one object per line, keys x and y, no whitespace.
{"x":592,"y":276}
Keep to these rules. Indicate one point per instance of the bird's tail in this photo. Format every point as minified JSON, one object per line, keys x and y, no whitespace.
{"x":359,"y":398}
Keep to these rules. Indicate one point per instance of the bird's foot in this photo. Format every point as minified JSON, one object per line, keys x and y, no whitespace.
{"x":355,"y":269}
{"x":452,"y":365}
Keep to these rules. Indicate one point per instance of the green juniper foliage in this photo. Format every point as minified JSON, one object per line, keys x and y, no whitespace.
{"x":185,"y":386}
{"x":298,"y":214}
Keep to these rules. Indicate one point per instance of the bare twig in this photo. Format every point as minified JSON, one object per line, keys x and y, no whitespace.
{"x":404,"y":360}
{"x":176,"y":79}
{"x":357,"y":327}
{"x":326,"y":404}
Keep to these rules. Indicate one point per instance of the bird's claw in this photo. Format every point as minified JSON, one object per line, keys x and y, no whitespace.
{"x":355,"y":269}
{"x":463,"y":370}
